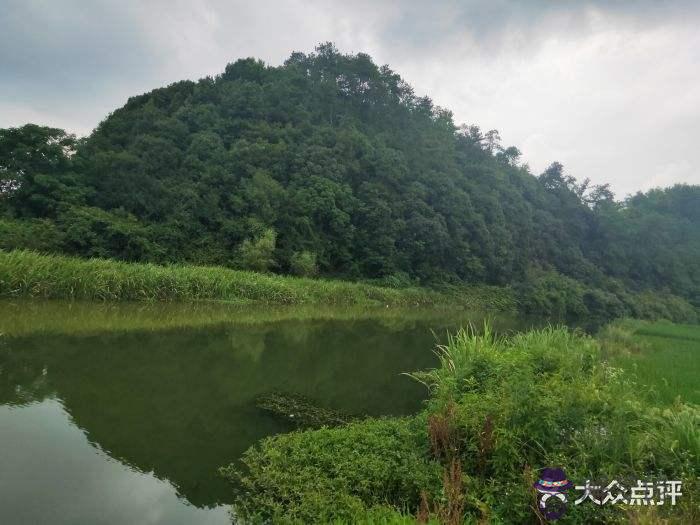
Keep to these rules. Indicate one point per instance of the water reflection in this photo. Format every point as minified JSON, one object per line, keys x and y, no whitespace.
{"x":51,"y":474}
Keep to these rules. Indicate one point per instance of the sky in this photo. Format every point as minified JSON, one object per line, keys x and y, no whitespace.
{"x":611,"y":89}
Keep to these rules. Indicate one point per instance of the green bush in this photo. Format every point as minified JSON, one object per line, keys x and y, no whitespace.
{"x":336,"y":473}
{"x":396,"y":280}
{"x":41,"y":235}
{"x":653,"y":306}
{"x":303,"y":264}
{"x":552,"y":294}
{"x":617,"y":339}
{"x":92,"y":232}
{"x":551,"y":400}
{"x":604,"y":305}
{"x":257,"y":255}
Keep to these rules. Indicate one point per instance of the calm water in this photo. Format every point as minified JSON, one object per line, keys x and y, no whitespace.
{"x":122,"y":414}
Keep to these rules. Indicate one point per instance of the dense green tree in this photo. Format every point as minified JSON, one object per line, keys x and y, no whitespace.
{"x":36,"y":171}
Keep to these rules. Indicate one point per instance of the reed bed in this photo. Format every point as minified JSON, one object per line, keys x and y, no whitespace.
{"x":30,"y":274}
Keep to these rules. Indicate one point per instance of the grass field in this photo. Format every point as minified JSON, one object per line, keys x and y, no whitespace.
{"x":664,"y":357}
{"x":29,"y":274}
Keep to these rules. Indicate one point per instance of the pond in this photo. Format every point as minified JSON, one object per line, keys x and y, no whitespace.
{"x":123,"y":413}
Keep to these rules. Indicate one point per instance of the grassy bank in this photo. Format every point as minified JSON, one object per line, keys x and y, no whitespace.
{"x":499,"y":410}
{"x":28,"y":274}
{"x":663,"y":357}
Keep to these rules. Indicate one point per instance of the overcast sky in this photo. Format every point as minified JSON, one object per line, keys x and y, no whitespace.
{"x":610,"y":89}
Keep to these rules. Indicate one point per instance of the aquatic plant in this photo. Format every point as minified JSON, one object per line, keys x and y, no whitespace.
{"x":500,"y":409}
{"x":302,"y":412}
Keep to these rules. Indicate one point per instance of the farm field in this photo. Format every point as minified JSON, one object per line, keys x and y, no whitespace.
{"x":666,"y":359}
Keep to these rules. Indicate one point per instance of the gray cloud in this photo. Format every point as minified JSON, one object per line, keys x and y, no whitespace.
{"x":609,"y":88}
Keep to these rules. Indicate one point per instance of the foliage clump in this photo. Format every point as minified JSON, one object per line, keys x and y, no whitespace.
{"x":301,"y":411}
{"x":557,"y":296}
{"x":335,"y":474}
{"x":500,"y":409}
{"x":258,"y":254}
{"x":303,"y":264}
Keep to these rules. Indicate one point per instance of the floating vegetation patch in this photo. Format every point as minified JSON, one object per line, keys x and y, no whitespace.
{"x":302,"y":411}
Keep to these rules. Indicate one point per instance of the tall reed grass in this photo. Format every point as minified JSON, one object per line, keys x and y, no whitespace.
{"x":29,"y":274}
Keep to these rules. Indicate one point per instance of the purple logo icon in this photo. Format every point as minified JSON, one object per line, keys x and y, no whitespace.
{"x":552,"y":486}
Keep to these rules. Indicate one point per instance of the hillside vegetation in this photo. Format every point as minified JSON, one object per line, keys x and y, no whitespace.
{"x":330,"y":165}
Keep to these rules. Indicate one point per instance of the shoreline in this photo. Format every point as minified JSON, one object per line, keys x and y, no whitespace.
{"x":30,"y":274}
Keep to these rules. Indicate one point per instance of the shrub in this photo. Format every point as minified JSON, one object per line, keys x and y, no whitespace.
{"x":336,"y":473}
{"x":552,"y":400}
{"x":257,"y":255}
{"x":92,"y":232}
{"x":40,"y":235}
{"x":617,"y":339}
{"x":557,"y":296}
{"x":303,"y":264}
{"x":603,"y":305}
{"x":552,"y":294}
{"x":655,"y":305}
{"x":396,"y":280}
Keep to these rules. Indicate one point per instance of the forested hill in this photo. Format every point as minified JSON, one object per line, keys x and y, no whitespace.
{"x":330,"y":162}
